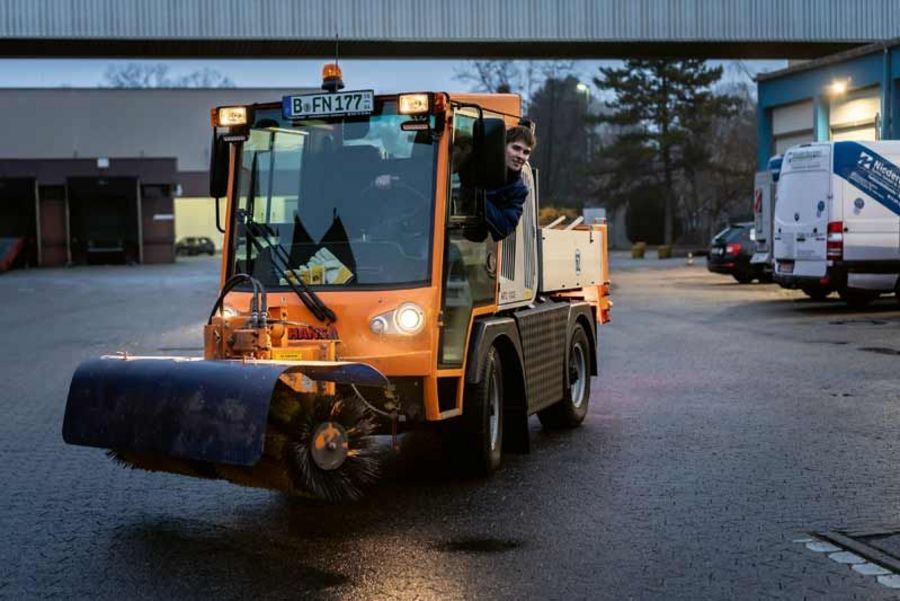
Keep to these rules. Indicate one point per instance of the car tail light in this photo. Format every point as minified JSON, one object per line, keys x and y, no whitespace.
{"x":733,"y":249}
{"x":834,"y":245}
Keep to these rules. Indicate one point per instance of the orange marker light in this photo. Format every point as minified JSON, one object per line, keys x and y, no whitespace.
{"x":332,"y":78}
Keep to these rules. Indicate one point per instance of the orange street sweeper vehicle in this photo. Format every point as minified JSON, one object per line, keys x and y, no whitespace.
{"x":359,"y":296}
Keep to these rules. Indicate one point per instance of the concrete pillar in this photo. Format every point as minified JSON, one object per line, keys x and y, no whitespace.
{"x":821,"y":114}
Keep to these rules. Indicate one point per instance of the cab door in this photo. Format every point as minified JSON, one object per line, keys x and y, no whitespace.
{"x":470,"y":257}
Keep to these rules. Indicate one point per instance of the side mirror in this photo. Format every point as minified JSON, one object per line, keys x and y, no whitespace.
{"x":219,"y":156}
{"x":218,"y":167}
{"x":490,"y":151}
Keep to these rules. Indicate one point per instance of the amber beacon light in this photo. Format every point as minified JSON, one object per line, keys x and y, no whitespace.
{"x":332,"y":78}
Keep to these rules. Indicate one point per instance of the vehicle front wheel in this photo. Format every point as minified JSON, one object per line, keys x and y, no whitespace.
{"x":479,"y":438}
{"x":572,"y":409}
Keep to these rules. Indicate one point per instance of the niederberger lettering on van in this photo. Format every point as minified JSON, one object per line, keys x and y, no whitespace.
{"x":870,"y":172}
{"x":887,"y":172}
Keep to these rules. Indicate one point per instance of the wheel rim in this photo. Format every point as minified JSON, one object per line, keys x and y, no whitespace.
{"x":494,"y":404}
{"x":577,"y":379}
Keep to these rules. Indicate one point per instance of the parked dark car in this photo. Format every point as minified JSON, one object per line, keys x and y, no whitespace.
{"x":730,"y":252}
{"x":195,"y":246}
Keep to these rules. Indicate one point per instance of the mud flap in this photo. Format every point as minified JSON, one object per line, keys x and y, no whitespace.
{"x":213,"y":411}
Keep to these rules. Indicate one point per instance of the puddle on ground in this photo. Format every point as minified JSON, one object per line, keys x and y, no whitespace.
{"x":852,"y":322}
{"x":479,"y":545}
{"x":880,"y":350}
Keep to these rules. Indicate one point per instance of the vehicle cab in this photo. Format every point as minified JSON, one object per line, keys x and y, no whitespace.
{"x":368,"y":203}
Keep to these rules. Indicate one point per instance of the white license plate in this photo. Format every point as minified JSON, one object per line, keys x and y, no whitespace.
{"x":718,"y":251}
{"x":345,"y":104}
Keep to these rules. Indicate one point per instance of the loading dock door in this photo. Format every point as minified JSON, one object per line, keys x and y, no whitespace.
{"x":104,"y":222}
{"x":18,"y":216}
{"x":791,"y":125}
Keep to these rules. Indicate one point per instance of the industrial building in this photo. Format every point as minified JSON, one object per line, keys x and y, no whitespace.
{"x":99,"y":175}
{"x":852,"y":95}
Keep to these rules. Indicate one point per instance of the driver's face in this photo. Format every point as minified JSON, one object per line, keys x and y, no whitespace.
{"x":516,"y":154}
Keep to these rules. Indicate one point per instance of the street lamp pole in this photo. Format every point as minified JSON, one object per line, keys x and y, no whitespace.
{"x":586,"y":90}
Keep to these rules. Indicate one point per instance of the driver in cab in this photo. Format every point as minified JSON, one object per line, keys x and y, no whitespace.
{"x":504,"y":205}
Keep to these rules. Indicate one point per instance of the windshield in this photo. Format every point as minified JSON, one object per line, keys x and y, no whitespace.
{"x":348,"y":200}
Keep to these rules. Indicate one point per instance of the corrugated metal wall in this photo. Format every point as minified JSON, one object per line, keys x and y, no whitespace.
{"x":457,"y":20}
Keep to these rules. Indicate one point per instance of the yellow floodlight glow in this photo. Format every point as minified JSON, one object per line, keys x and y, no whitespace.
{"x":838,"y":87}
{"x":232,"y":115}
{"x":413,"y":104}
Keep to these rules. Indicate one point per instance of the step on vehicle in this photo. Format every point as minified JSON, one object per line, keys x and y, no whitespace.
{"x":349,"y":309}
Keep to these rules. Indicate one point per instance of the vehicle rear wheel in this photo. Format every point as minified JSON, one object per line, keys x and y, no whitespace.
{"x":743,"y":277}
{"x":479,"y":438}
{"x":571,"y":411}
{"x":816,"y":293}
{"x":857,"y":298}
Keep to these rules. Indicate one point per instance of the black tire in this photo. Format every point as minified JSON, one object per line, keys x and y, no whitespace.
{"x":816,"y":294}
{"x":479,"y":439}
{"x":743,"y":276}
{"x":856,"y":298}
{"x":571,"y":411}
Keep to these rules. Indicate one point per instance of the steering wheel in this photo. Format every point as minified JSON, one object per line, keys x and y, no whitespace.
{"x":409,"y":210}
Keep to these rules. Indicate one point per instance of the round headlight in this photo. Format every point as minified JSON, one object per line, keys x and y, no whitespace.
{"x":409,"y":318}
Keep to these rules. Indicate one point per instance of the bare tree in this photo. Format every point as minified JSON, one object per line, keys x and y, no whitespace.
{"x":142,"y":75}
{"x":490,"y":75}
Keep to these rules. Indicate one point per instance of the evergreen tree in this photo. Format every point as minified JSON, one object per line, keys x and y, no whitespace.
{"x":664,"y":109}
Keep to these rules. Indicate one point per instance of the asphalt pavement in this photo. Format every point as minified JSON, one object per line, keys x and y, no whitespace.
{"x":727,"y":424}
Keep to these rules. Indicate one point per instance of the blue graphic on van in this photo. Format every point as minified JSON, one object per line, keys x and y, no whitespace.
{"x":859,"y":203}
{"x":820,"y":208}
{"x":870,"y":172}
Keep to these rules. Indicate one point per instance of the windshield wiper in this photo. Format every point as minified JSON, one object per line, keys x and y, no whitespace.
{"x":256,"y":233}
{"x":258,"y":236}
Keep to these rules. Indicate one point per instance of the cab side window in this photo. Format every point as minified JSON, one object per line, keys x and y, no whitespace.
{"x":463,"y":195}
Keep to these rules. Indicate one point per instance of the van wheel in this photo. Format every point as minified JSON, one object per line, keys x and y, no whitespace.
{"x":816,"y":293}
{"x":571,"y":411}
{"x":857,"y":298}
{"x":478,"y":441}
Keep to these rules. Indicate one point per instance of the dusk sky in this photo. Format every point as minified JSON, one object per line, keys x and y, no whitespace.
{"x":380,"y":75}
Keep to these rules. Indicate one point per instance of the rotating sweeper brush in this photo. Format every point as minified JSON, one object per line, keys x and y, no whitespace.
{"x":241,"y":421}
{"x":315,"y":445}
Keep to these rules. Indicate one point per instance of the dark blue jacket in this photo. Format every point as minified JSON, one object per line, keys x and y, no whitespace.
{"x":503,"y":208}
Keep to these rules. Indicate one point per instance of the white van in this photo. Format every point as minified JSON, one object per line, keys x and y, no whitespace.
{"x":837,"y":219}
{"x":763,"y":214}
